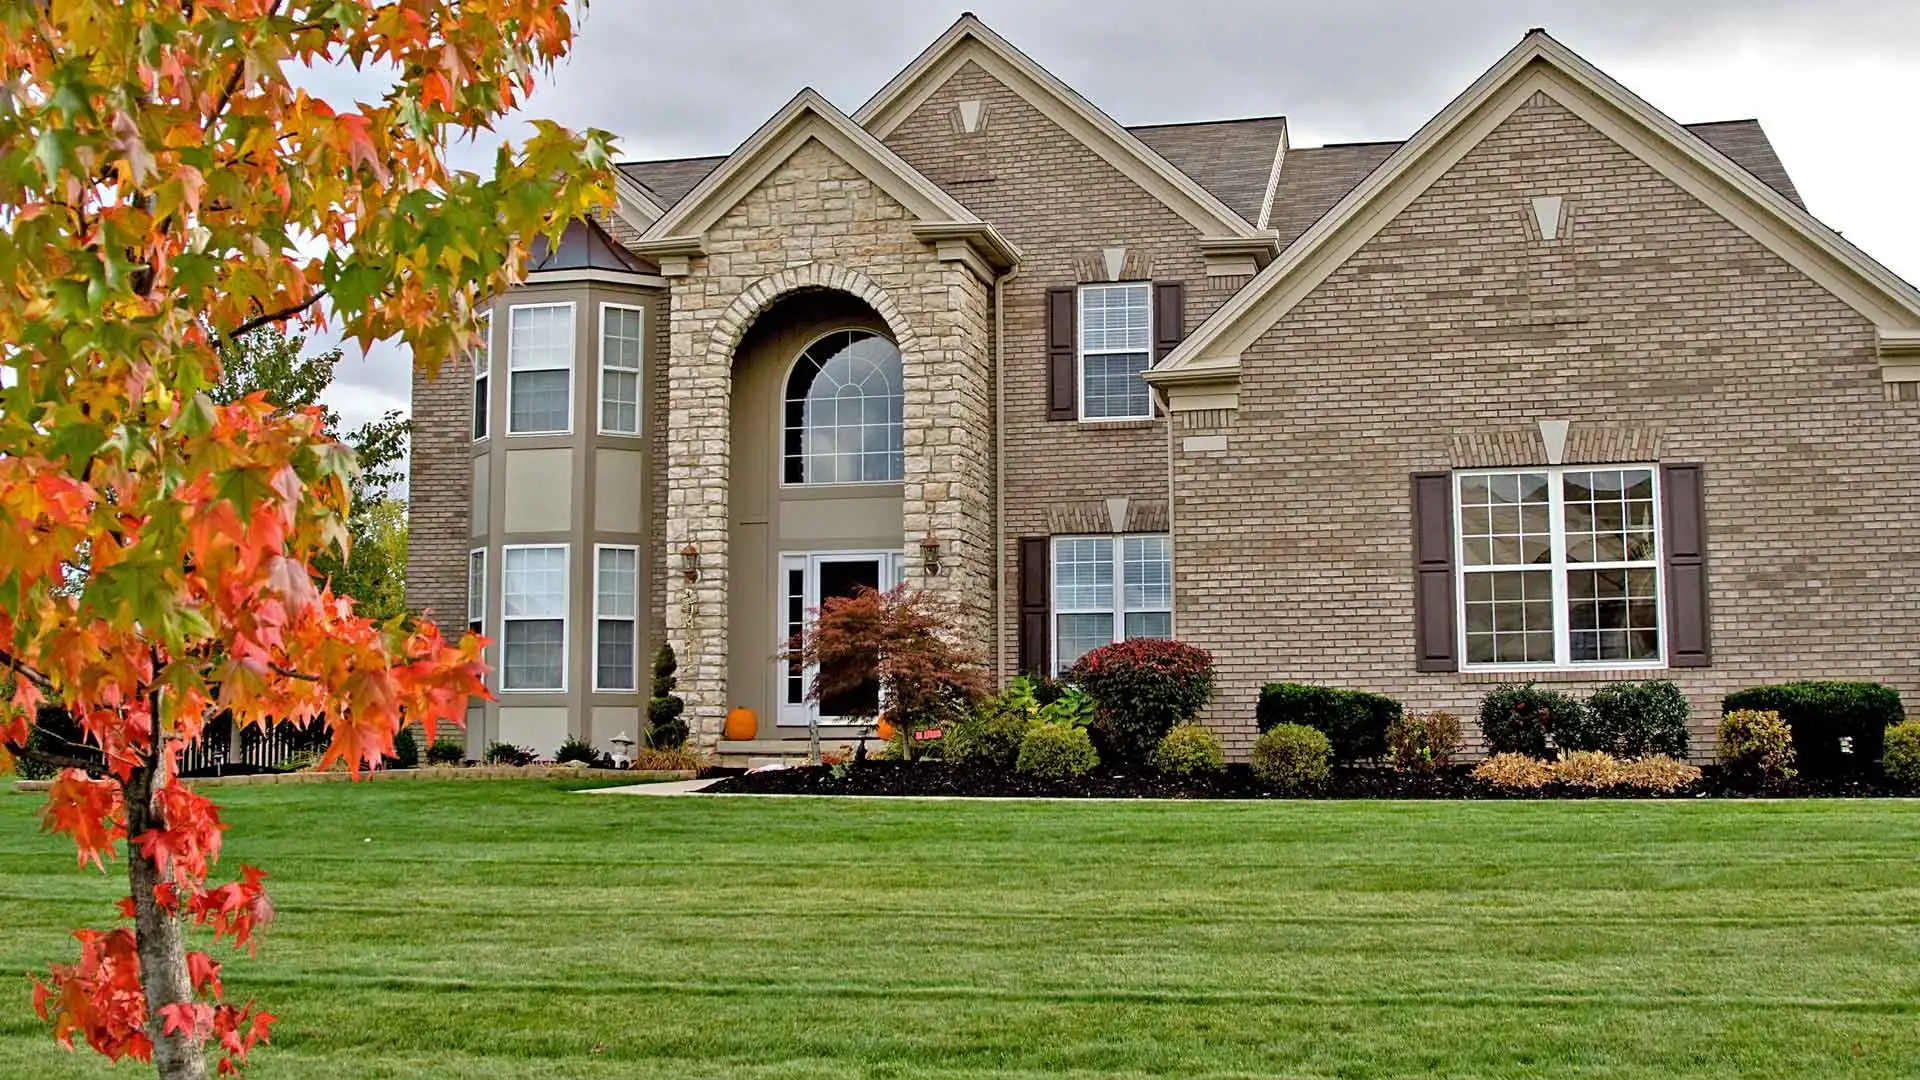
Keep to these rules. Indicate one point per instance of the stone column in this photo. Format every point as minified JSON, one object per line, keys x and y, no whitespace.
{"x":699,"y":396}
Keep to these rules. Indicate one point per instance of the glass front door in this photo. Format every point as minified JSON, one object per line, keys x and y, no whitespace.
{"x":807,"y":580}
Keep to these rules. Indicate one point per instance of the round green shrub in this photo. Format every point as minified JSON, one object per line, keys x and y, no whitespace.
{"x":1189,"y":750}
{"x":1756,"y":748}
{"x":1631,"y":720}
{"x":1292,"y":755}
{"x":1521,"y":718}
{"x":1354,"y":721}
{"x":992,"y":738}
{"x":1142,"y":688}
{"x":1902,"y":760}
{"x":1839,"y":728}
{"x":1056,"y":752}
{"x":446,"y":751}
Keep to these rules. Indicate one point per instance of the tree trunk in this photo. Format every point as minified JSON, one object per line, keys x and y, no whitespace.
{"x":161,"y":941}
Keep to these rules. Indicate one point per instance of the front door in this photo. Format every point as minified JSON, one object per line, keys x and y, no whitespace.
{"x":808,"y":580}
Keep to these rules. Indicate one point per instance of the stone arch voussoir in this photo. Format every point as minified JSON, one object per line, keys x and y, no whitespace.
{"x":756,"y":298}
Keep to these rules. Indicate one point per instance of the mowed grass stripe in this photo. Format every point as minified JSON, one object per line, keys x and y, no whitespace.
{"x":509,"y":930}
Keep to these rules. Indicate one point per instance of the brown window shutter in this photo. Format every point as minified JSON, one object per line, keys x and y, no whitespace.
{"x":1433,"y":604}
{"x":1063,"y":375}
{"x":1685,"y":510}
{"x":1036,"y":603}
{"x":1169,"y":317}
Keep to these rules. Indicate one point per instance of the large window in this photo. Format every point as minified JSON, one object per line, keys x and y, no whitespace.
{"x":539,"y":369}
{"x":1107,"y":589}
{"x":482,"y":376}
{"x":1559,"y":567}
{"x":477,"y":589}
{"x":620,"y":338}
{"x":1116,"y":347}
{"x":843,"y":412}
{"x":616,"y":612}
{"x":533,"y":602}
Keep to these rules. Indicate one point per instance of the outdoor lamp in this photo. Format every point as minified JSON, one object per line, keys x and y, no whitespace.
{"x":930,"y":556}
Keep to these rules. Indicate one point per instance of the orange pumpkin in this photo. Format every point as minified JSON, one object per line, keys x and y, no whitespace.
{"x":883,"y":730}
{"x":741,"y":725}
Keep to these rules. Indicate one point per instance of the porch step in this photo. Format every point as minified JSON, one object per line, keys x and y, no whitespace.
{"x":753,"y":753}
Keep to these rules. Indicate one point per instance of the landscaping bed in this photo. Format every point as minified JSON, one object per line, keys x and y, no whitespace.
{"x":939,"y":778}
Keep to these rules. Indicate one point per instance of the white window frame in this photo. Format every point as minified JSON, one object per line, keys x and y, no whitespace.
{"x":639,"y":376}
{"x":598,"y":549}
{"x":1558,"y":568}
{"x":1116,"y":606}
{"x":477,"y":590}
{"x":892,"y":573}
{"x":481,"y":422}
{"x":566,"y":619}
{"x":1080,"y":351}
{"x":513,"y":313}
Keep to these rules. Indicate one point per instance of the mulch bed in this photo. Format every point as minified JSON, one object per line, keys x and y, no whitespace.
{"x":1454,"y":782}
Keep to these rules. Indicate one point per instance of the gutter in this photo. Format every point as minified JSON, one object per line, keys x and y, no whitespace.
{"x":1000,"y":474}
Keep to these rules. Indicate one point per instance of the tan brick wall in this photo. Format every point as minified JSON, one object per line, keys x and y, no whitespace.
{"x":439,"y":514}
{"x":1655,"y":323}
{"x":816,"y":222}
{"x":1062,"y":205}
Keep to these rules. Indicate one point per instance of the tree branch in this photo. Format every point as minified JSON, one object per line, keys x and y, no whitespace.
{"x":90,"y":766}
{"x":282,"y":315}
{"x":7,"y":660}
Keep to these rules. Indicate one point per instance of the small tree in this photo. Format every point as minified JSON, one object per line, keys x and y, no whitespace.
{"x":903,"y":639}
{"x":665,"y":729}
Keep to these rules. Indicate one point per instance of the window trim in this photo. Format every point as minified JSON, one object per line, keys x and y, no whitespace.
{"x":1080,"y":352}
{"x":477,"y":617}
{"x":634,"y":619}
{"x":480,"y":424}
{"x":786,"y":380}
{"x":1557,"y":568}
{"x":1116,"y":607}
{"x":574,"y":329}
{"x":639,"y":374}
{"x":566,"y":618}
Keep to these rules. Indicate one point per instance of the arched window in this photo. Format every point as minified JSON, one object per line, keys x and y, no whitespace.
{"x":843,"y":411}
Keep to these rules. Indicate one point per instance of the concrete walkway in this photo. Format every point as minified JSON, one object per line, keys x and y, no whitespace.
{"x":673,"y":787}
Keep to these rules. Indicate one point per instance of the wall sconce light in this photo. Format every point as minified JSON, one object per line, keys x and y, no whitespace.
{"x":930,"y":556}
{"x":690,"y":562}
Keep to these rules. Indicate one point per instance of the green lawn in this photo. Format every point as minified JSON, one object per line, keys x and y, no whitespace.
{"x":507,"y":929}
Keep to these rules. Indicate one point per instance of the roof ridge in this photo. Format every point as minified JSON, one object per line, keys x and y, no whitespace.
{"x":1208,"y":123}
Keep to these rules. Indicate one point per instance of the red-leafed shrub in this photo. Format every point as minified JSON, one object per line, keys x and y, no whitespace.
{"x":1142,"y":688}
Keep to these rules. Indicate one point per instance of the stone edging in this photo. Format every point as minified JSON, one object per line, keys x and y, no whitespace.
{"x":481,"y":772}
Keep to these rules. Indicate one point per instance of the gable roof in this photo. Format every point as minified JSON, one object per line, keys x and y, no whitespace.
{"x":669,"y":180}
{"x":1234,"y":159}
{"x":1211,"y":354}
{"x":969,"y":40}
{"x":807,"y":118}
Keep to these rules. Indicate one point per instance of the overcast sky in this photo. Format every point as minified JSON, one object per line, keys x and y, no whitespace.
{"x":1834,"y":82}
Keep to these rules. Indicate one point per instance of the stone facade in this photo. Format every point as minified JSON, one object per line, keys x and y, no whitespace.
{"x":816,"y":222}
{"x":1660,"y":330}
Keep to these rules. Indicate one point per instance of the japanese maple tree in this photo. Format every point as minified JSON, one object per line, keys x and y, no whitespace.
{"x":166,"y":187}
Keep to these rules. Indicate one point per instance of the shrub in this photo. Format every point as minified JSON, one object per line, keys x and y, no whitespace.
{"x":1189,"y":750}
{"x":1354,"y":722}
{"x":406,"y":751}
{"x":446,"y":752}
{"x":1658,"y":772}
{"x":649,"y":760}
{"x":576,"y":749}
{"x":1520,"y":718}
{"x":1516,"y":772}
{"x":665,"y":728}
{"x":1422,"y":742}
{"x":1839,"y":728}
{"x":1902,"y":759}
{"x":1631,"y":720}
{"x":903,"y":639}
{"x":1756,"y":747}
{"x":1143,"y":688}
{"x":991,"y":738}
{"x":1290,"y":756}
{"x":1056,"y":752}
{"x":505,"y":753}
{"x":1594,"y":770}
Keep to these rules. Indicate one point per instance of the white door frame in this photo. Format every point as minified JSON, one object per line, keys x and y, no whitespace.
{"x":892,"y":565}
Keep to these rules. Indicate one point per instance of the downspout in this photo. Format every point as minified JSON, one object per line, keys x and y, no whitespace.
{"x":1000,"y":475}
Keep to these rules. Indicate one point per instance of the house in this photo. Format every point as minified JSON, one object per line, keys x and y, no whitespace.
{"x":1557,"y":389}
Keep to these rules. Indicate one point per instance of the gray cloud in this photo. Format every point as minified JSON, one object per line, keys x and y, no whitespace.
{"x":1832,"y":82}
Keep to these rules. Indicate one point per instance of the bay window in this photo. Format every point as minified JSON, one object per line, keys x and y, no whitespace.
{"x":482,"y":376}
{"x":540,"y":369}
{"x":616,"y":604}
{"x":620,"y":348}
{"x":533,"y":613}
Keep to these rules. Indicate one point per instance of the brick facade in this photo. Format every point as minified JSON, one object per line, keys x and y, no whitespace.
{"x":1659,"y":329}
{"x":439,"y":515}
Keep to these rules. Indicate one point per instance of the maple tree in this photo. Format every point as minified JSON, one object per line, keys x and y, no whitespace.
{"x":166,"y":187}
{"x":903,"y":640}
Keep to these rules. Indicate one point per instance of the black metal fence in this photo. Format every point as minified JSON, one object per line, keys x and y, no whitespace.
{"x":254,"y":749}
